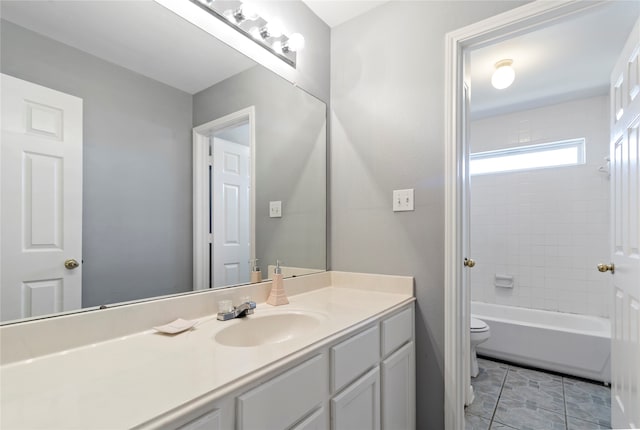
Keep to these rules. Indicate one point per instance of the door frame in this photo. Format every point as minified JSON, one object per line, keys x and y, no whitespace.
{"x":201,"y":192}
{"x":512,"y":23}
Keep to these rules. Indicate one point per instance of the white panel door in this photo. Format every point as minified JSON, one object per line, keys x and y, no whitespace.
{"x":41,"y":215}
{"x":231,"y":179}
{"x":625,"y":230}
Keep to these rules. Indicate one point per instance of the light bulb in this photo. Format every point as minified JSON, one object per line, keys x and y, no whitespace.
{"x":295,"y":43}
{"x":249,"y":11}
{"x":277,"y":46}
{"x":229,"y":15}
{"x":255,"y":32}
{"x":274,"y":28}
{"x":504,"y":75}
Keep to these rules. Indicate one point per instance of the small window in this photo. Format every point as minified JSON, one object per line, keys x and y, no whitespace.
{"x":554,"y":154}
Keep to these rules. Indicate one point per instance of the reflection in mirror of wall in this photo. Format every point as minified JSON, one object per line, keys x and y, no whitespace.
{"x":118,"y":110}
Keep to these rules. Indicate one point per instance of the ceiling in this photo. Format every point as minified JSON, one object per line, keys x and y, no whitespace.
{"x":568,"y":60}
{"x":334,"y":12}
{"x":150,"y":39}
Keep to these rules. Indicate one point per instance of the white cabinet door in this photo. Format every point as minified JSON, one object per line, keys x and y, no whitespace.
{"x":41,"y":217}
{"x":358,"y":406}
{"x":399,"y":390}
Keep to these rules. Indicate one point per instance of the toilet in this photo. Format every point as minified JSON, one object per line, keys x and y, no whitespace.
{"x":479,"y":333}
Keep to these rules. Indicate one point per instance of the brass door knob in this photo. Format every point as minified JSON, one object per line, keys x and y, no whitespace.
{"x":607,"y":267}
{"x":468,"y":262}
{"x":71,"y":264}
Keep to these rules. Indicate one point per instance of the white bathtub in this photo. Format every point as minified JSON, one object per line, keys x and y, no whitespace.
{"x":576,"y":345}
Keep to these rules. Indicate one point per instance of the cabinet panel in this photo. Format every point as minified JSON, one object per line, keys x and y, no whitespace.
{"x":358,"y":406}
{"x":287,"y":398}
{"x":354,"y":356}
{"x":398,"y":390}
{"x":208,"y":421}
{"x":316,"y":421}
{"x":396,"y":330}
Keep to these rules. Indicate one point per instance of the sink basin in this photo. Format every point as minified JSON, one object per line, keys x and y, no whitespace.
{"x":256,"y":330}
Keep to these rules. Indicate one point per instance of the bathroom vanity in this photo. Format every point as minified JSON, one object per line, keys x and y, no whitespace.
{"x":340,"y":353}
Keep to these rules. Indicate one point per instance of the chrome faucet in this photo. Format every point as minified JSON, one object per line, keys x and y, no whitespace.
{"x":239,"y":311}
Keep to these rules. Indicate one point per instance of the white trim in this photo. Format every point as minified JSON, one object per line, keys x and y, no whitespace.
{"x":511,"y":23}
{"x":201,"y":163}
{"x":200,"y":200}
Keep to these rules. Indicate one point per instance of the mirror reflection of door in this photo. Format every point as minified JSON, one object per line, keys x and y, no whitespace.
{"x":41,"y":220}
{"x":230,"y":206}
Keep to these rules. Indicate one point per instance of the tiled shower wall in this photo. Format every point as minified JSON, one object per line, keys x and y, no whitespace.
{"x":548,"y":228}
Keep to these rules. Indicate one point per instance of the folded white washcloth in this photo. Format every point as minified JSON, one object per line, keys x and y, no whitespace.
{"x":176,"y":326}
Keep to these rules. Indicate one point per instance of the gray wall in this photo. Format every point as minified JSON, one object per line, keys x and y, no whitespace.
{"x":137,"y":168}
{"x":387,"y":133}
{"x":290,"y":162}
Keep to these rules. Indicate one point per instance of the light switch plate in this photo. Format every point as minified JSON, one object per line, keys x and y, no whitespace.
{"x":275,"y":209}
{"x":403,"y":200}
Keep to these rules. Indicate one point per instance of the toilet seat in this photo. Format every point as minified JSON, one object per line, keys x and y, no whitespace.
{"x":478,"y":326}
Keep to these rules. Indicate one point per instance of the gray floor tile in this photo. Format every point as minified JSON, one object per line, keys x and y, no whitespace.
{"x":537,"y":389}
{"x":486,"y":363}
{"x":509,"y":397}
{"x":490,"y":378}
{"x":588,"y":401}
{"x":484,"y":404}
{"x":525,"y":416}
{"x":534,"y":375}
{"x":474,"y":422}
{"x":499,"y":426}
{"x":578,"y":424}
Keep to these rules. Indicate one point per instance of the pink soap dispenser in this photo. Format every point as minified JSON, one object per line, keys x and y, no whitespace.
{"x":277,"y":295}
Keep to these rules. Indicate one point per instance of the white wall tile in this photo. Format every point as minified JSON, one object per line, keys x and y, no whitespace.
{"x":547,"y":227}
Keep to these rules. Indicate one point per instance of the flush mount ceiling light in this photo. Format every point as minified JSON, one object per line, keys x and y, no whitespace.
{"x":503,"y":75}
{"x":245,"y":17}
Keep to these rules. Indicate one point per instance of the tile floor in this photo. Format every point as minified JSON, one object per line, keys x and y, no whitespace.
{"x":510,"y":397}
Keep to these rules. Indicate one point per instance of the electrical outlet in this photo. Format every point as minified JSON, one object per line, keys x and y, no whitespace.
{"x":275,"y":209}
{"x":403,"y":200}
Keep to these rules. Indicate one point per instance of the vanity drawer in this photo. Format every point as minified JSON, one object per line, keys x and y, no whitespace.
{"x":285,"y":399}
{"x":396,"y":331}
{"x":354,"y":356}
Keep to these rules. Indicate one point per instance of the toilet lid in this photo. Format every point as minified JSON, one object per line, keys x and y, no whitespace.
{"x":478,"y":325}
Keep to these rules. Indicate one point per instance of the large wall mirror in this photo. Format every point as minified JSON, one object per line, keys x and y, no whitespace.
{"x":142,"y":157}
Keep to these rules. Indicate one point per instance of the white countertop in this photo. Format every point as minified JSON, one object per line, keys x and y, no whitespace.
{"x":125,"y":382}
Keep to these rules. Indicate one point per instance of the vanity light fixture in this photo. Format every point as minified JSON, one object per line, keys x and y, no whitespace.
{"x":295,"y":43}
{"x":246,"y":12}
{"x":504,"y":74}
{"x":272,"y":29}
{"x":245,"y":18}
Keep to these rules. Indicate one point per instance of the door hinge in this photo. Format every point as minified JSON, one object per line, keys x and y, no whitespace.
{"x":210,"y":159}
{"x":210,"y":238}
